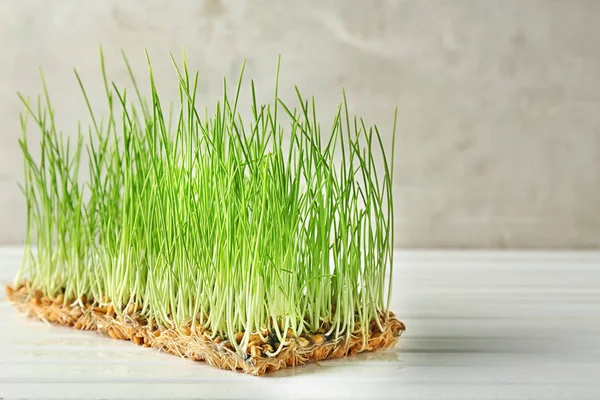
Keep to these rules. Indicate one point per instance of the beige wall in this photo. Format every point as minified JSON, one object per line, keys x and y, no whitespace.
{"x":499,"y":100}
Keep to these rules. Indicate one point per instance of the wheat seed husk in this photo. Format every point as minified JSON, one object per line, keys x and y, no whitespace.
{"x":194,"y":344}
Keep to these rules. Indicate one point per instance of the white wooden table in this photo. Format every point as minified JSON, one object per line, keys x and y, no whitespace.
{"x":480,"y":325}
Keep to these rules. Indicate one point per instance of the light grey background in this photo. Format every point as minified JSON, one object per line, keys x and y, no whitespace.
{"x":499,"y":123}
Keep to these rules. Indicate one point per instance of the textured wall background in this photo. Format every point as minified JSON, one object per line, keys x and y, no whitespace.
{"x":499,"y":122}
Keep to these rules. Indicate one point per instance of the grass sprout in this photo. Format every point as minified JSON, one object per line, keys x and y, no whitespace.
{"x":230,"y":225}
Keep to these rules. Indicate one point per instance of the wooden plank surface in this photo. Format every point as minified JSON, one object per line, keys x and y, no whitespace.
{"x":480,"y":325}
